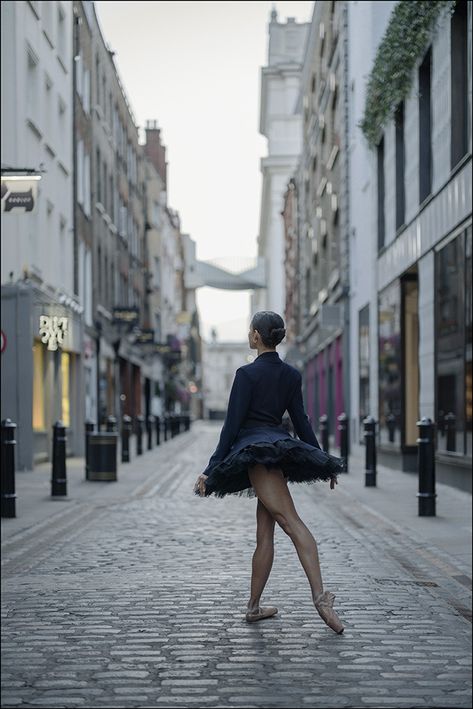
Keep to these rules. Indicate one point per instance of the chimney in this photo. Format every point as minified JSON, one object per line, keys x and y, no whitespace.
{"x":155,"y":151}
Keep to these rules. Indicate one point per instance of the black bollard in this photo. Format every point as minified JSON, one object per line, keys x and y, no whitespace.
{"x":323,"y":424}
{"x":391,"y":424}
{"x":165,"y":427}
{"x":370,"y":445}
{"x":111,"y":424}
{"x":58,"y":478}
{"x":188,"y":422}
{"x":140,"y":424}
{"x":149,"y":426}
{"x":158,"y":430}
{"x":89,"y":428}
{"x":343,"y":428}
{"x":450,"y":424}
{"x":426,"y":468}
{"x":126,"y":431}
{"x":8,"y":468}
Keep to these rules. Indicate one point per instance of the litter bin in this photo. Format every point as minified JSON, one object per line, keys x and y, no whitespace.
{"x":103,"y":456}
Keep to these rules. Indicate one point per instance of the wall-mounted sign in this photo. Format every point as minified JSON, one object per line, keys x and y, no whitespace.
{"x":52,"y":331}
{"x":146,"y":337}
{"x":19,"y":194}
{"x":126,"y":316}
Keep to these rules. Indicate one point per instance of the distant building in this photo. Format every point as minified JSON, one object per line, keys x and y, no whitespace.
{"x":220,"y":360}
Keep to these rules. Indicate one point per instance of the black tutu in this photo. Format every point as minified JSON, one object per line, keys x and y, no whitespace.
{"x":273,"y":447}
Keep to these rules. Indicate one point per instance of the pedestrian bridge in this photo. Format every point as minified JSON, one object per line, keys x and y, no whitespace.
{"x":229,"y":274}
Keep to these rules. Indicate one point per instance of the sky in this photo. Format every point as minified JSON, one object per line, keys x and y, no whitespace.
{"x":195,"y":68}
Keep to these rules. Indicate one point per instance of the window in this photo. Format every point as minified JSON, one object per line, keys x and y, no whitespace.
{"x":86,"y":179}
{"x":38,"y":386}
{"x":32,"y":84}
{"x":98,"y":190}
{"x":453,"y":309}
{"x":425,"y":128}
{"x":65,"y":397}
{"x":400,"y":160}
{"x":389,"y":357}
{"x":459,"y":82}
{"x":80,"y":171}
{"x":61,"y":35}
{"x":364,"y":364}
{"x":381,"y":220}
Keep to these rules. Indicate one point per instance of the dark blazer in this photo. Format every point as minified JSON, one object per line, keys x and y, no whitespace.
{"x":261,"y":393}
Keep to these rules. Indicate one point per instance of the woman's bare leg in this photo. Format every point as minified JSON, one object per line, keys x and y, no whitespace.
{"x":263,"y":555}
{"x":271,"y":488}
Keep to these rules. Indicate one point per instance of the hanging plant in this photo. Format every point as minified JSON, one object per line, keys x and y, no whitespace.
{"x":406,"y":38}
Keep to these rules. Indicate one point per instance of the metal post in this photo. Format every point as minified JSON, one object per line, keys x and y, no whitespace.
{"x":343,"y":428}
{"x":126,"y":430}
{"x":8,"y":468}
{"x":323,"y":424}
{"x":149,"y":425}
{"x":370,"y":445}
{"x":450,"y":422}
{"x":188,"y":422}
{"x":139,"y":434}
{"x":391,"y":424}
{"x":158,"y":430}
{"x":111,"y":424}
{"x":58,"y":479}
{"x":426,"y":468}
{"x":89,"y":428}
{"x":166,"y":422}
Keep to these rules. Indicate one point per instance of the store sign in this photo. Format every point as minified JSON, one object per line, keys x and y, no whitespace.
{"x":126,"y":316}
{"x":146,"y":337}
{"x":53,"y":330}
{"x":19,"y":194}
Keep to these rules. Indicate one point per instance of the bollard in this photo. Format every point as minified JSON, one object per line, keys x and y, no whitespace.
{"x":89,"y":428}
{"x":450,"y":422}
{"x":126,"y":431}
{"x":158,"y":431}
{"x":188,"y":422}
{"x":370,"y":455}
{"x":391,"y":424}
{"x":58,"y":478}
{"x":323,"y":423}
{"x":8,"y":468}
{"x":426,"y":468}
{"x":343,"y":428}
{"x":139,"y":434}
{"x":166,"y":424}
{"x":149,"y":426}
{"x":111,"y":424}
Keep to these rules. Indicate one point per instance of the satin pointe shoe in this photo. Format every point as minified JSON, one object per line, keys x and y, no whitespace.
{"x":260,"y":613}
{"x":324,"y":603}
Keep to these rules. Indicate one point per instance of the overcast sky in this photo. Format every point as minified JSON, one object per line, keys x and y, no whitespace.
{"x":195,"y":68}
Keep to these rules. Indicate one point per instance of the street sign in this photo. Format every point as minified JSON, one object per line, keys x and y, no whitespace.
{"x":19,"y":194}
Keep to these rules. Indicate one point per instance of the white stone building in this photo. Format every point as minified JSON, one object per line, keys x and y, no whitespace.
{"x":220,"y":360}
{"x":281,"y":125}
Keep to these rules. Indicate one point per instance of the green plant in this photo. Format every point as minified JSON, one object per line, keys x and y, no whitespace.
{"x":406,"y":38}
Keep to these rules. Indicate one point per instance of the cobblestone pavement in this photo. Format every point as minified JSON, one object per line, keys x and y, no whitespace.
{"x":139,"y":602}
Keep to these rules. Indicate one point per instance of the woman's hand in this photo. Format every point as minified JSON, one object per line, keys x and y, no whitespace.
{"x":200,"y":484}
{"x":333,"y":482}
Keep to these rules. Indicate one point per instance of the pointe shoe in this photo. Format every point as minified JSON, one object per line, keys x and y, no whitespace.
{"x":324,"y":603}
{"x":260,"y":613}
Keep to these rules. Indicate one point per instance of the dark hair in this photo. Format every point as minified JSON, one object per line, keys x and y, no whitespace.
{"x":270,"y":326}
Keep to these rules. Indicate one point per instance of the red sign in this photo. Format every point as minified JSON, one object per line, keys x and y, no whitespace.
{"x":4,"y":342}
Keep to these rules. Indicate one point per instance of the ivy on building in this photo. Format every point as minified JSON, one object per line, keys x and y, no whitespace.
{"x":405,"y":40}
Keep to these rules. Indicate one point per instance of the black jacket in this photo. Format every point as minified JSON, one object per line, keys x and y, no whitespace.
{"x":261,"y":393}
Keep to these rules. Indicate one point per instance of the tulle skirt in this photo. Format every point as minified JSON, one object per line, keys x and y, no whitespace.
{"x":273,"y":447}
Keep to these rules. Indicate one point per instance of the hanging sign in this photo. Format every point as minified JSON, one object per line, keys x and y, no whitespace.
{"x":19,"y":194}
{"x":146,"y":337}
{"x":53,"y":330}
{"x":126,"y":316}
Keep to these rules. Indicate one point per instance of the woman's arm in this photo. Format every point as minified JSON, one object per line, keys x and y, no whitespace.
{"x":299,"y":417}
{"x":238,"y":403}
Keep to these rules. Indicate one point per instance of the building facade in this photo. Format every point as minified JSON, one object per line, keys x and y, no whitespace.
{"x":42,"y":318}
{"x":280,"y":124}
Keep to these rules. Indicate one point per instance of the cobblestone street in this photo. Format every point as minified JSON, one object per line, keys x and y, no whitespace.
{"x":139,"y":601}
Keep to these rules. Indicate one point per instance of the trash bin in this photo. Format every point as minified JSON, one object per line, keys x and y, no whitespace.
{"x":103,"y":456}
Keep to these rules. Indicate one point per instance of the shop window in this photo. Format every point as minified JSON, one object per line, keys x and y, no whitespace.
{"x":65,"y":389}
{"x":364,"y":365}
{"x":38,"y":387}
{"x":453,"y":345}
{"x":389,"y":329}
